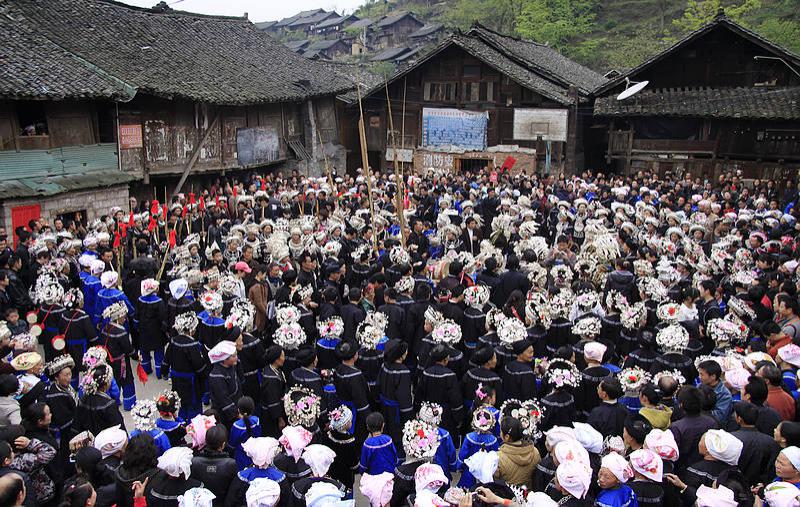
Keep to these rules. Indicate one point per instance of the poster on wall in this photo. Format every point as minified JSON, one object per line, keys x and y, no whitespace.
{"x":130,"y":136}
{"x":258,"y":145}
{"x":543,"y":124}
{"x":454,"y":127}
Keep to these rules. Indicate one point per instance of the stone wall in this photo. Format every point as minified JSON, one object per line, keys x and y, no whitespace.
{"x":96,"y":202}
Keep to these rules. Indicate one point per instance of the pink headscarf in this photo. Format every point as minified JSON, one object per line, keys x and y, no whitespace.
{"x":663,"y":443}
{"x":429,"y":477}
{"x":574,"y":477}
{"x":719,"y":497}
{"x":262,"y":450}
{"x":618,"y":466}
{"x":648,"y":463}
{"x":377,"y":488}
{"x":571,"y":450}
{"x":197,"y":429}
{"x":594,"y":351}
{"x":294,"y":439}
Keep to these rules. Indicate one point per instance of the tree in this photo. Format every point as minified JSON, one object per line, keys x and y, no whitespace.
{"x":556,"y":22}
{"x":784,"y":32}
{"x":700,"y":12}
{"x":500,"y":15}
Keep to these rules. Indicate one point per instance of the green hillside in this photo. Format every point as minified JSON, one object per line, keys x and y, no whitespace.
{"x":604,"y":34}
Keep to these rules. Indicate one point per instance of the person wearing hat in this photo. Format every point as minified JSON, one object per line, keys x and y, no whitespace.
{"x":211,"y":327}
{"x":180,"y":301}
{"x":395,"y":388}
{"x":306,"y":375}
{"x":186,"y":363}
{"x":150,"y":322}
{"x":223,"y":381}
{"x":116,"y":340}
{"x":110,"y":294}
{"x":351,"y":387}
{"x":97,"y":410}
{"x":61,"y":397}
{"x":91,"y":286}
{"x":29,"y":368}
{"x":319,"y":459}
{"x":343,"y":444}
{"x":49,"y":313}
{"x":648,"y":473}
{"x":173,"y":478}
{"x":438,"y":384}
{"x":273,"y":388}
{"x":77,"y":329}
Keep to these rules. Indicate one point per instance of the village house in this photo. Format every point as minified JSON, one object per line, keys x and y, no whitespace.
{"x":395,"y":29}
{"x":149,"y":97}
{"x":477,"y":99}
{"x":722,"y":98}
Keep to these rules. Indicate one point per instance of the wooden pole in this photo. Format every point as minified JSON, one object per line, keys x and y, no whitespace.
{"x":327,"y":167}
{"x":398,"y":173}
{"x":362,"y":133}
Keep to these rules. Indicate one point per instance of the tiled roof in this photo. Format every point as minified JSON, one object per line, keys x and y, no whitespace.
{"x":264,"y":25}
{"x":291,"y":19}
{"x":295,"y":45}
{"x":746,"y":103}
{"x":719,"y":21}
{"x":543,"y":59}
{"x":211,"y":59}
{"x":426,"y":30}
{"x":32,"y":66}
{"x":363,"y":23}
{"x":390,"y":54}
{"x":323,"y":44}
{"x":311,"y":19}
{"x":328,"y":23}
{"x":394,"y":18}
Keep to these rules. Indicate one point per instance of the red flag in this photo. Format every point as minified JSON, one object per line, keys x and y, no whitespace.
{"x":154,"y":208}
{"x":508,"y":163}
{"x":141,"y":374}
{"x":165,"y":211}
{"x":217,"y":198}
{"x":152,"y":225}
{"x":183,"y":213}
{"x":116,"y":239}
{"x":191,"y":198}
{"x":130,"y":220}
{"x":124,"y":229}
{"x":263,"y":184}
{"x":234,"y":191}
{"x":202,"y":203}
{"x":406,"y":201}
{"x":172,"y":238}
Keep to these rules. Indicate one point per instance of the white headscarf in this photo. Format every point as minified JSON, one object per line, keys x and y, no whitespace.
{"x":319,"y":458}
{"x":325,"y":494}
{"x":263,"y":492}
{"x":196,"y":497}
{"x":589,"y":438}
{"x":575,"y":477}
{"x":618,"y":466}
{"x":110,"y":440}
{"x":483,"y":465}
{"x":176,"y":461}
{"x":792,"y":453}
{"x":782,"y":494}
{"x":720,"y":497}
{"x":648,"y":463}
{"x":261,"y":450}
{"x":571,"y":450}
{"x":723,"y":446}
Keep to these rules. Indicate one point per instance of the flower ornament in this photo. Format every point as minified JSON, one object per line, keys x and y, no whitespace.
{"x":94,"y":356}
{"x":476,"y":296}
{"x":483,"y":420}
{"x":47,"y":290}
{"x":561,"y":304}
{"x":744,"y":277}
{"x":725,"y":332}
{"x":228,"y":284}
{"x":528,"y":229}
{"x":100,"y":375}
{"x":302,"y":406}
{"x":447,"y":332}
{"x":433,"y":316}
{"x":287,"y":314}
{"x":372,"y":330}
{"x":673,"y":338}
{"x":653,"y":289}
{"x":211,"y":301}
{"x":290,"y":336}
{"x":480,"y":392}
{"x":562,"y":275}
{"x":115,"y":311}
{"x":420,"y":440}
{"x":304,"y":292}
{"x":73,"y":299}
{"x":168,"y":402}
{"x":242,"y":315}
{"x":430,"y":412}
{"x":144,"y":415}
{"x":668,"y":312}
{"x":632,"y":316}
{"x":563,"y":373}
{"x":331,"y":328}
{"x":587,"y":327}
{"x":528,"y":413}
{"x":537,"y":309}
{"x":633,"y":379}
{"x":331,"y":249}
{"x":587,"y":300}
{"x":405,"y":284}
{"x":675,"y":374}
{"x":537,"y":275}
{"x":399,"y":255}
{"x":643,"y":268}
{"x":741,"y":309}
{"x":186,"y":323}
{"x":510,"y":330}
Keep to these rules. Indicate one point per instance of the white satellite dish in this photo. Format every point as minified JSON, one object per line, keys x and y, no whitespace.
{"x":630,"y":91}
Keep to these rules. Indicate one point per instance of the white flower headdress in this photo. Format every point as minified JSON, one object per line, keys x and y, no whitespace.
{"x":633,"y":379}
{"x":302,"y":406}
{"x":528,"y":413}
{"x":563,"y":373}
{"x":331,"y":328}
{"x":372,"y":330}
{"x":290,"y":336}
{"x":587,"y":327}
{"x":447,"y":332}
{"x":672,"y":338}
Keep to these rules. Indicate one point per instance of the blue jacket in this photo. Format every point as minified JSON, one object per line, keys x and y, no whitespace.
{"x":378,"y":455}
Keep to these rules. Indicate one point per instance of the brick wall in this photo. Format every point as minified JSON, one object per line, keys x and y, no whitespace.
{"x":96,"y":202}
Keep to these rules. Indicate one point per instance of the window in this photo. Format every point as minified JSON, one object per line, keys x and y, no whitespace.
{"x":479,"y":92}
{"x":32,"y":118}
{"x":440,"y":92}
{"x":473,"y":71}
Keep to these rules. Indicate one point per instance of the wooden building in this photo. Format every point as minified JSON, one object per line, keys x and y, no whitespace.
{"x":149,"y":95}
{"x":723,"y":98}
{"x":395,"y":29}
{"x":476,"y":99}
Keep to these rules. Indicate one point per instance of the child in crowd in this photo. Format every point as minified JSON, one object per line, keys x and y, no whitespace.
{"x":378,"y":454}
{"x":246,"y":427}
{"x":168,"y":404}
{"x":481,"y":439}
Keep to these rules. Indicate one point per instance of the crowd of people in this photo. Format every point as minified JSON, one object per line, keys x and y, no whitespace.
{"x":441,"y":339}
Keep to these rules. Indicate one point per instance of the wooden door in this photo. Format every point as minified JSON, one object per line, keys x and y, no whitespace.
{"x":21,"y":215}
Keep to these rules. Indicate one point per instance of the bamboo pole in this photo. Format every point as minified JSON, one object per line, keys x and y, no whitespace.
{"x":398,"y":173}
{"x":362,"y":133}
{"x":327,"y":166}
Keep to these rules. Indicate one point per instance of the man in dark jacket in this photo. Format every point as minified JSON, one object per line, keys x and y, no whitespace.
{"x":621,"y":280}
{"x":213,"y":466}
{"x":689,"y":429}
{"x":396,"y":315}
{"x":223,"y":381}
{"x":759,"y":450}
{"x":510,"y":281}
{"x":609,"y":416}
